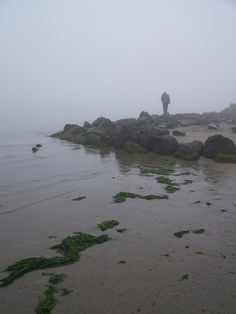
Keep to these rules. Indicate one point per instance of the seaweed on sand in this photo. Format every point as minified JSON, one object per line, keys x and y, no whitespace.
{"x":161,"y":171}
{"x":171,"y":188}
{"x":163,"y":180}
{"x":48,"y":302}
{"x":107,"y":224}
{"x":69,"y":248}
{"x":198,"y":231}
{"x":179,"y":234}
{"x":122,"y":196}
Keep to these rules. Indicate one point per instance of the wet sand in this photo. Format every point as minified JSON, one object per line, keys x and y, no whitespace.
{"x":201,"y":133}
{"x":155,"y":260}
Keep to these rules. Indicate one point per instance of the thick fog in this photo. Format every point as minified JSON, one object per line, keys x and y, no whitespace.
{"x":83,"y":59}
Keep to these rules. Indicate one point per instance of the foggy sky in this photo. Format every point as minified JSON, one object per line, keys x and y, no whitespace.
{"x":88,"y":58}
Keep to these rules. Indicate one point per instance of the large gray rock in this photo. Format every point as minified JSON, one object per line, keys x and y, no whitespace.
{"x":157,"y":131}
{"x":189,"y":151}
{"x":218,"y":144}
{"x":87,"y":125}
{"x":73,"y":129}
{"x":165,"y":145}
{"x":102,"y":122}
{"x":126,"y":122}
{"x":178,"y":133}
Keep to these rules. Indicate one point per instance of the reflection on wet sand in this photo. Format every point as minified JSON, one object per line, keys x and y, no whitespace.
{"x":145,"y":269}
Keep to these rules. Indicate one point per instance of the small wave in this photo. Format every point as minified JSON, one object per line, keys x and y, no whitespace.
{"x":11,"y":211}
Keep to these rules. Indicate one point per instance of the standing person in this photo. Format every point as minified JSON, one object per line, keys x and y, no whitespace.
{"x":165,"y":98}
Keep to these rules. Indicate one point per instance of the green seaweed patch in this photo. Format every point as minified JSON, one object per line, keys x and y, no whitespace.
{"x":153,"y":197}
{"x":65,"y":291}
{"x":121,"y":230}
{"x":54,"y":279}
{"x":185,"y":277}
{"x":186,"y":173}
{"x":179,"y":234}
{"x":172,"y":188}
{"x":187,"y":182}
{"x":198,"y":231}
{"x":225,"y":158}
{"x":161,"y":171}
{"x":107,"y":224}
{"x":70,"y":248}
{"x":122,"y":196}
{"x":164,"y":180}
{"x":48,"y":302}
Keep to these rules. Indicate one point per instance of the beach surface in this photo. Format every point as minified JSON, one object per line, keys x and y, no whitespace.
{"x":146,"y":269}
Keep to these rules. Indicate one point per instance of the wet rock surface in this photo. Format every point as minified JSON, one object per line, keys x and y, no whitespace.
{"x":151,"y":133}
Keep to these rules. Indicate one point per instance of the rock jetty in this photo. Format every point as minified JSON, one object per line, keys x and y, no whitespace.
{"x":151,"y":133}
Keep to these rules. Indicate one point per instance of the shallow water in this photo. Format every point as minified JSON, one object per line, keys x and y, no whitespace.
{"x":36,"y":202}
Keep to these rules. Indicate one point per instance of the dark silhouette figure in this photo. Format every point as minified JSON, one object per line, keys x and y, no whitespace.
{"x":165,"y":98}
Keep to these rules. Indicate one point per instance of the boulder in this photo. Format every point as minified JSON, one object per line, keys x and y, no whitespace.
{"x":73,"y":129}
{"x":218,"y":144}
{"x":67,"y":127}
{"x":178,"y":133}
{"x":144,"y":114}
{"x":126,"y":122}
{"x":34,"y":149}
{"x":234,"y":129}
{"x":164,"y":145}
{"x":157,"y":131}
{"x":189,"y":151}
{"x":102,"y":122}
{"x":87,"y":125}
{"x":93,"y":139}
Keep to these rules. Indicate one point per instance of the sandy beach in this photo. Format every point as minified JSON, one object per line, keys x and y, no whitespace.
{"x":145,"y":269}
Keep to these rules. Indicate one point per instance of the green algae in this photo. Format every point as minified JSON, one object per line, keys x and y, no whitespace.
{"x":153,"y":197}
{"x":56,"y":278}
{"x":121,"y":230}
{"x":185,"y":277}
{"x":161,"y":171}
{"x":69,"y":248}
{"x":225,"y":158}
{"x":163,"y":180}
{"x":172,"y":188}
{"x":122,"y":196}
{"x":187,"y":182}
{"x":187,"y":173}
{"x":48,"y":302}
{"x":198,"y":231}
{"x":107,"y":224}
{"x":179,"y":234}
{"x":65,"y":291}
